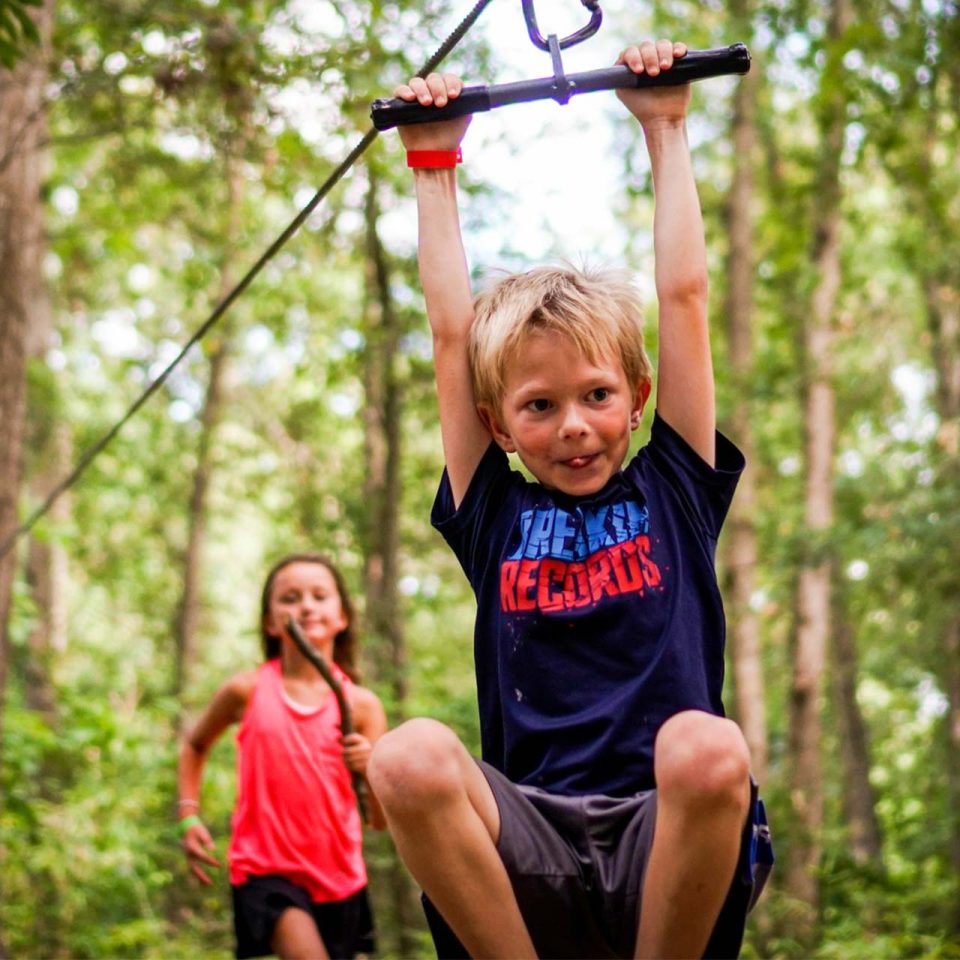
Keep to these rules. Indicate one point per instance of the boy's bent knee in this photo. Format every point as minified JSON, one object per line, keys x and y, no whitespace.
{"x":417,"y":763}
{"x":702,"y":760}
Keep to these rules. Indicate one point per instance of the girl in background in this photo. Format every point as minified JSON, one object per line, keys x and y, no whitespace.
{"x":295,"y":856}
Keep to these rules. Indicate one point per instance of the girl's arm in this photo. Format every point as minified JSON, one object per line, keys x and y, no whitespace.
{"x":226,"y":707}
{"x":370,"y":723}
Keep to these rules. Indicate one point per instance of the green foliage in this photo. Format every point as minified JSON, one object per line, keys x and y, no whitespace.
{"x":84,"y":845}
{"x":17,"y":30}
{"x":146,"y":106}
{"x":147,"y":101}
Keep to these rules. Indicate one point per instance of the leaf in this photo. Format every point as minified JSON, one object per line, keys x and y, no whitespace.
{"x":27,"y":26}
{"x":9,"y":54}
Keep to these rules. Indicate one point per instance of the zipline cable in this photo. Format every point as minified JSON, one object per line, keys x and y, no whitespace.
{"x":94,"y":451}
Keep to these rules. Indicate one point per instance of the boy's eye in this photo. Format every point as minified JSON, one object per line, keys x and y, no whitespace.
{"x":600,"y":394}
{"x":539,"y":406}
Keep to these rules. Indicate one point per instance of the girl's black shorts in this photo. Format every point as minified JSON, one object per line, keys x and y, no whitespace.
{"x":346,"y":926}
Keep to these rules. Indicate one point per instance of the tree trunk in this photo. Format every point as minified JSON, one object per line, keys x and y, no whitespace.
{"x":943,"y":312}
{"x":190,"y":608}
{"x":46,"y":559}
{"x":929,"y":187}
{"x":188,"y":614}
{"x":47,"y":576}
{"x":951,"y":650}
{"x":741,"y":538}
{"x":382,"y":413}
{"x":813,"y":588}
{"x":859,"y":800}
{"x":22,"y":127}
{"x":382,"y":445}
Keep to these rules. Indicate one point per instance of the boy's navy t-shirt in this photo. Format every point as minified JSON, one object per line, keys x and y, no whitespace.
{"x":598,"y":617}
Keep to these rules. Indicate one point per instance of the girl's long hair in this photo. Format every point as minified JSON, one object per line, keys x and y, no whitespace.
{"x":344,"y":643}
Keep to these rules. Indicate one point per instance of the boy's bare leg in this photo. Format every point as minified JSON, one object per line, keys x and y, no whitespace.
{"x":445,"y":823}
{"x":702,"y":768}
{"x":295,"y":937}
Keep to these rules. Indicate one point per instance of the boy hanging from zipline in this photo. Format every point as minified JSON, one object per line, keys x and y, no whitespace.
{"x":613,"y":813}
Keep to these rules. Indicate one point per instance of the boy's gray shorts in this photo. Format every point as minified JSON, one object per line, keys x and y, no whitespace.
{"x":577,"y":866}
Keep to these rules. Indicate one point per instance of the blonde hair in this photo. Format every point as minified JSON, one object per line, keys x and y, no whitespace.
{"x":599,"y":310}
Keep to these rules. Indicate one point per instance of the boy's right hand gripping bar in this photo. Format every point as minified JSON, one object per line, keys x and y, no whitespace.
{"x":696,"y":65}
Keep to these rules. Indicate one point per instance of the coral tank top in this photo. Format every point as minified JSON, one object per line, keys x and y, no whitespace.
{"x":296,"y":812}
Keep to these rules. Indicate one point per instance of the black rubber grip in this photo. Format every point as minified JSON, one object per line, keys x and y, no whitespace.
{"x":696,"y":65}
{"x":387,"y":114}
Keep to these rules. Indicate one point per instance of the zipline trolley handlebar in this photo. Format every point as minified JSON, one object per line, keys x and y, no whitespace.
{"x":696,"y":65}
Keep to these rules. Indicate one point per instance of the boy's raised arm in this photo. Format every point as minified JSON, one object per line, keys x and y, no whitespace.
{"x":685,"y":384}
{"x":446,"y":281}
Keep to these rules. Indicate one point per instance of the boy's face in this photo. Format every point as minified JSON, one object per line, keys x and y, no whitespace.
{"x":568,"y":419}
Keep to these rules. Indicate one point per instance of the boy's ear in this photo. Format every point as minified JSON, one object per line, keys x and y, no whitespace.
{"x":500,"y":436}
{"x":639,"y":402}
{"x":644,"y":393}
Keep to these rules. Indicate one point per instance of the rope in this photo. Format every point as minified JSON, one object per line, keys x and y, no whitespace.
{"x":97,"y":448}
{"x":346,"y":719}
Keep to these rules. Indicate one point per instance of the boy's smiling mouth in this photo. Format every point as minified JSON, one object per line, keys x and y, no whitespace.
{"x":578,"y":463}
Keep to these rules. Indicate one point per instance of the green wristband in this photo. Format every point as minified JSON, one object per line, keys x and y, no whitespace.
{"x":187,"y":822}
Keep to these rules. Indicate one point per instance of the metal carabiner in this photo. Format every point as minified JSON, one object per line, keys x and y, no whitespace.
{"x":538,"y":39}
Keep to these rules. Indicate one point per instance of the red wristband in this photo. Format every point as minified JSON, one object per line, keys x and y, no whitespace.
{"x":434,"y":159}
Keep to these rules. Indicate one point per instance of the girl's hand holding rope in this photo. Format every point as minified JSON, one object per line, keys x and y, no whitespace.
{"x":356,"y":752}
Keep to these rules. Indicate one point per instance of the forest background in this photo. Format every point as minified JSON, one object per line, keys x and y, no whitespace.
{"x":150,"y":152}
